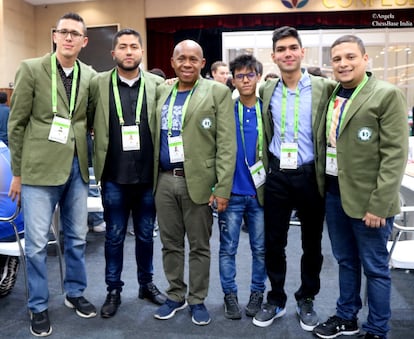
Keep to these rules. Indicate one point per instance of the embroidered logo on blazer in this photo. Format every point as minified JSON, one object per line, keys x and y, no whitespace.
{"x":206,"y":123}
{"x":364,"y":133}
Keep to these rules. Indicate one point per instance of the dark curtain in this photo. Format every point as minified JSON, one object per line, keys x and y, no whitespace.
{"x":164,"y":33}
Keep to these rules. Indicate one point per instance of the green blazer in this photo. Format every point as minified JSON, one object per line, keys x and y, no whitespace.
{"x":372,"y":150}
{"x":98,"y":113}
{"x":321,"y":90}
{"x":36,"y":159}
{"x":209,"y":138}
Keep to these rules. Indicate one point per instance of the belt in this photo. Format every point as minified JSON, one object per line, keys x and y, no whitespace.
{"x":274,"y":164}
{"x":175,"y":172}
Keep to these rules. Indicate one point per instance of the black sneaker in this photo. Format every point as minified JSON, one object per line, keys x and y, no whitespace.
{"x":267,"y":314}
{"x":232,"y":309}
{"x":336,"y":326}
{"x":82,"y":306}
{"x":307,"y":315}
{"x":40,"y":324}
{"x":255,"y":304}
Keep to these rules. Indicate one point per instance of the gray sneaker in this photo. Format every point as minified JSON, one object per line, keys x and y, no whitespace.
{"x":255,"y":304}
{"x":231,"y":307}
{"x":267,"y":314}
{"x":307,"y":315}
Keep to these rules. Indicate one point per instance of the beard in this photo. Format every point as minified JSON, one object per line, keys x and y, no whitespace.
{"x":129,"y":67}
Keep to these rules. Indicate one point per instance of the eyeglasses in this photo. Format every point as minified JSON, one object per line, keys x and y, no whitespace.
{"x":250,"y":76}
{"x":64,"y":33}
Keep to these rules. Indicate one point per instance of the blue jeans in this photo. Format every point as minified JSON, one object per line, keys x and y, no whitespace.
{"x":354,"y":244}
{"x":118,"y":202}
{"x":230,"y":222}
{"x":39,"y":203}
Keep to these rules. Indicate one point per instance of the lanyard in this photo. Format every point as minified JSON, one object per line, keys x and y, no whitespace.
{"x":283,"y":114}
{"x":259,"y":128}
{"x":183,"y":110}
{"x":347,"y":104}
{"x":54,"y":86}
{"x":117,"y":98}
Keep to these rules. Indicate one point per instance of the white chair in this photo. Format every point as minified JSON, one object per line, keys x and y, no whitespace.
{"x":402,"y":251}
{"x":15,"y":248}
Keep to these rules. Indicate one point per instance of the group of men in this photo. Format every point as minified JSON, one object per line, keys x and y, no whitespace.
{"x":184,"y":148}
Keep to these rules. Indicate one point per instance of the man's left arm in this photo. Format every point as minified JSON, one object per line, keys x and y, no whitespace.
{"x":393,"y":151}
{"x":225,"y":148}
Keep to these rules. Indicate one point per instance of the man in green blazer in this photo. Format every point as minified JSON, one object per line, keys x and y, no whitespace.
{"x":292,"y":110}
{"x":123,"y":115}
{"x":48,"y":147}
{"x":365,"y":144}
{"x":195,"y":146}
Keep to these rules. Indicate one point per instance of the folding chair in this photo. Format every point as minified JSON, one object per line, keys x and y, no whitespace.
{"x":15,"y":248}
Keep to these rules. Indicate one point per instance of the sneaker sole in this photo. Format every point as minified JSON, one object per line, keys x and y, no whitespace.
{"x":200,"y":323}
{"x":270,"y":321}
{"x":306,"y":327}
{"x":43,"y":334}
{"x":169,"y":316}
{"x":337,"y":334}
{"x":82,"y":315}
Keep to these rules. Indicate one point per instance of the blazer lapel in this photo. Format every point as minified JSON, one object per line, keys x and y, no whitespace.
{"x":362,"y":97}
{"x":47,"y":66}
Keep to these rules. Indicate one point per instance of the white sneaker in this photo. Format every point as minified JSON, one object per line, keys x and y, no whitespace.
{"x":100,"y":228}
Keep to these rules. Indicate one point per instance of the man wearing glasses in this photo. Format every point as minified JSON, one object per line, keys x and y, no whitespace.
{"x":247,"y":192}
{"x":47,"y":138}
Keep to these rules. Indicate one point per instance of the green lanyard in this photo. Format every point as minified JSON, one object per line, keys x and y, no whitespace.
{"x":259,"y":128}
{"x":54,"y":86}
{"x":347,"y":104}
{"x":117,"y":98}
{"x":183,"y":111}
{"x":283,"y":115}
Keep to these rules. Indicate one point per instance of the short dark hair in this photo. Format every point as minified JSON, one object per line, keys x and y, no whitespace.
{"x":3,"y":97}
{"x":126,"y":31}
{"x":159,"y":72}
{"x":75,"y":17}
{"x":245,"y":60}
{"x":350,"y":38}
{"x":285,"y":32}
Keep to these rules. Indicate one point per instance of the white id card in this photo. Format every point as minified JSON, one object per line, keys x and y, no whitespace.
{"x":59,"y":131}
{"x":258,"y":173}
{"x":176,"y":149}
{"x":289,"y":155}
{"x":130,"y":138}
{"x":331,"y":164}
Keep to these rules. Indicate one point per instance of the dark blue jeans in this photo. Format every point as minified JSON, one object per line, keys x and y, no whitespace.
{"x":119,"y":201}
{"x":354,"y":244}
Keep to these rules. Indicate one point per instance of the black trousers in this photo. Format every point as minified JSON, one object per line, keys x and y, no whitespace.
{"x":286,"y":190}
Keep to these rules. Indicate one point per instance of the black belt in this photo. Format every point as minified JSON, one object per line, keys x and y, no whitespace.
{"x":175,"y":172}
{"x":274,"y":165}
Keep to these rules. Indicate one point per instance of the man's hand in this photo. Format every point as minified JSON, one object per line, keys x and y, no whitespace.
{"x":220,"y":203}
{"x":373,"y":221}
{"x":15,"y":189}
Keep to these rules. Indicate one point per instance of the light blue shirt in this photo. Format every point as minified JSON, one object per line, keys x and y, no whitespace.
{"x":305,"y":137}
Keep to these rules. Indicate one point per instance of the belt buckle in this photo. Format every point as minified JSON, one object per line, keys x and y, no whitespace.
{"x":178,"y":172}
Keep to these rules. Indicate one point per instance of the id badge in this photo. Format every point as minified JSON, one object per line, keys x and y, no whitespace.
{"x":59,"y":131}
{"x":331,"y":163}
{"x":130,"y":138}
{"x":176,"y":149}
{"x":258,"y":173}
{"x":289,"y":155}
